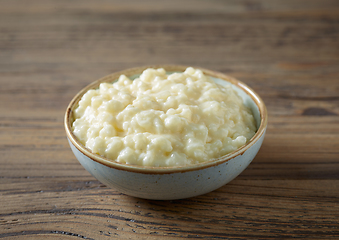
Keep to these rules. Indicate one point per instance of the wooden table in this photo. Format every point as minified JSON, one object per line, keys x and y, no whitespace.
{"x":287,"y":51}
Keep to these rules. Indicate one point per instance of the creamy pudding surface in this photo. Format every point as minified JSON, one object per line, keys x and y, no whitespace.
{"x":163,"y":120}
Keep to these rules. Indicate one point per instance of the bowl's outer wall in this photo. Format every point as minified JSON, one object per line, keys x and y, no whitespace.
{"x":169,"y":186}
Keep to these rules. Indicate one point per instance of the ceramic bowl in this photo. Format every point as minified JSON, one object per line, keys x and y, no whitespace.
{"x":168,"y":183}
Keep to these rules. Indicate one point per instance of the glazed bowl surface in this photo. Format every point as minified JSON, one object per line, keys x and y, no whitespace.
{"x":169,"y":183}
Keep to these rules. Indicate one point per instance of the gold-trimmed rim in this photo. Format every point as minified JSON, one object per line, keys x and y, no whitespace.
{"x":162,"y":170}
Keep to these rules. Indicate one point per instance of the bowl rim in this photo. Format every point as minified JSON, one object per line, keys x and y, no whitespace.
{"x":68,"y":119}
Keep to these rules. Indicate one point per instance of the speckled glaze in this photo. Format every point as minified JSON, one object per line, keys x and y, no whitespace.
{"x":168,"y":183}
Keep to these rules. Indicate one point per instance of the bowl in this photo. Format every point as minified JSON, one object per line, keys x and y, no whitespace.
{"x":169,"y":183}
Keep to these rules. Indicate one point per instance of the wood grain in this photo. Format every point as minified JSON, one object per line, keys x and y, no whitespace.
{"x":287,"y":51}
